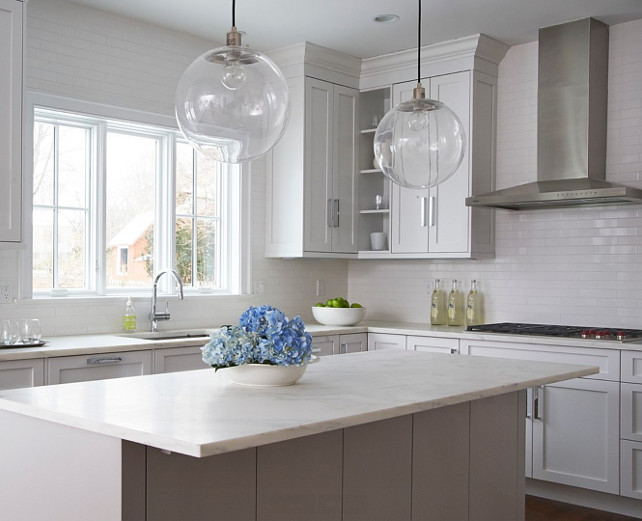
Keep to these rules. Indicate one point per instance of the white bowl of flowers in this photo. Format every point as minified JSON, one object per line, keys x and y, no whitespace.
{"x":265,"y":349}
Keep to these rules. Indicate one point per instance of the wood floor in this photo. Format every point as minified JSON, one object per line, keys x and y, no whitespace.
{"x":538,"y":509}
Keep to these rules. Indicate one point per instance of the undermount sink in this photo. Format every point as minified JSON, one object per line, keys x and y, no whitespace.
{"x":170,"y":335}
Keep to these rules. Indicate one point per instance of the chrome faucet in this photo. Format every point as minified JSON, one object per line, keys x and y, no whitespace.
{"x":154,"y":317}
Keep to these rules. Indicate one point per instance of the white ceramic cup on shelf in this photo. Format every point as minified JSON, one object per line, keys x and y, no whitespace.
{"x":378,"y":240}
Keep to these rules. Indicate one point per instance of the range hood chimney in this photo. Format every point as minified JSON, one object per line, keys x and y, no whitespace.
{"x":571,"y":125}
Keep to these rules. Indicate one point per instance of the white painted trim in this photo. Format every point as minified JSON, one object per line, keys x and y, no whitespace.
{"x":237,"y":282}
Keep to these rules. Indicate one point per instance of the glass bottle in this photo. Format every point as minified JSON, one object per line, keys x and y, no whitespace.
{"x":473,"y":306}
{"x":437,"y":306}
{"x":455,"y":317}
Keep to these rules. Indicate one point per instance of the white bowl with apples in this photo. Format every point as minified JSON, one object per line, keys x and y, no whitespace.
{"x":338,"y":312}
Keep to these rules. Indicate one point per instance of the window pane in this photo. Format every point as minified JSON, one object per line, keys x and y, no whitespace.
{"x":71,"y":249}
{"x":207,"y":254}
{"x":184,"y":250}
{"x":43,"y":163}
{"x":43,"y":249}
{"x":207,"y":181}
{"x":72,"y":166}
{"x":130,"y":197}
{"x":184,"y":178}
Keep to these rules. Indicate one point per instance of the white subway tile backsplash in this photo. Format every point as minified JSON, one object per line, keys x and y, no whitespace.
{"x":578,"y":266}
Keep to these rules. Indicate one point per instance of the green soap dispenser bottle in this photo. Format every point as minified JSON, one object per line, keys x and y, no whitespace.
{"x":129,"y":318}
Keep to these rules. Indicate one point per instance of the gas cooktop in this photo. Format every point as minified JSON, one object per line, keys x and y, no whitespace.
{"x":599,"y":333}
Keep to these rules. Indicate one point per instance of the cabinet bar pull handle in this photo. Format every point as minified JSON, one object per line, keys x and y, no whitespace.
{"x":431,"y":211}
{"x":538,"y":403}
{"x":330,"y":213}
{"x":336,"y":212}
{"x":423,"y":212}
{"x":344,"y":348}
{"x":104,"y":360}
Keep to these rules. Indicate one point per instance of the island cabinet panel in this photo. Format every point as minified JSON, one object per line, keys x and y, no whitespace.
{"x":497,"y":481}
{"x":301,"y":479}
{"x":377,"y":471}
{"x":440,"y":466}
{"x":221,"y":487}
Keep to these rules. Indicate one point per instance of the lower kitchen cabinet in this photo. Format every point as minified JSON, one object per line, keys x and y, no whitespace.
{"x":432,"y":344}
{"x":339,"y":344}
{"x":378,"y":341}
{"x":631,"y":425}
{"x":174,"y":359}
{"x":83,"y":368}
{"x":22,"y":373}
{"x":572,"y":427}
{"x":631,"y":469}
{"x":576,"y":436}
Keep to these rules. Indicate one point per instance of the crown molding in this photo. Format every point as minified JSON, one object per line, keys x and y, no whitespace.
{"x":470,"y":47}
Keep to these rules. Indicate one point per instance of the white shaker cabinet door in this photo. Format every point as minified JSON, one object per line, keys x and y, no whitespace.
{"x":345,"y":167}
{"x":576,"y":435}
{"x":353,"y":343}
{"x":436,"y":220}
{"x":319,"y":196}
{"x":325,"y":345}
{"x":85,"y":368}
{"x":15,"y":374}
{"x":409,"y":207}
{"x":448,"y":215}
{"x":379,"y":341}
{"x":174,"y":359}
{"x":433,"y":344}
{"x":11,"y":38}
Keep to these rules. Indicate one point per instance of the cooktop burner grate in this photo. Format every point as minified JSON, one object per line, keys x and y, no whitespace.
{"x":600,"y":333}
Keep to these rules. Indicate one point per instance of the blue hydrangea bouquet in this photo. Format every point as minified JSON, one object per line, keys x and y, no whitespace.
{"x":264,"y":336}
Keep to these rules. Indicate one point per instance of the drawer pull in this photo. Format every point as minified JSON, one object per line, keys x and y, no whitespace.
{"x":104,"y":360}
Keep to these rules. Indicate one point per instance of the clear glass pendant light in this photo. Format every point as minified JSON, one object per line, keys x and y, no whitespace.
{"x":419,"y":143}
{"x":232,"y":103}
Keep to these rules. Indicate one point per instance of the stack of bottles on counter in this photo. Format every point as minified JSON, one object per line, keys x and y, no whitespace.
{"x":452,"y":311}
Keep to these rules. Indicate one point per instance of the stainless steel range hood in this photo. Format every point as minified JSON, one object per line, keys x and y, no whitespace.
{"x":571,"y":125}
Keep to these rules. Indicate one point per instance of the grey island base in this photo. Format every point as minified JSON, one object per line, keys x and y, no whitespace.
{"x":388,"y":436}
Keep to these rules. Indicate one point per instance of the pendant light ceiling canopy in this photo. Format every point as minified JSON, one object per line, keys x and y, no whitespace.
{"x":419,"y":143}
{"x":232,"y":103}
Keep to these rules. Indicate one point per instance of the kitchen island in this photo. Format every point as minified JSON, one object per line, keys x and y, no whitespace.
{"x":385,"y":436}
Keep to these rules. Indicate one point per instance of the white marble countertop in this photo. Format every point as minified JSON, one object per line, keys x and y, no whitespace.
{"x":201,"y":413}
{"x":94,"y":344}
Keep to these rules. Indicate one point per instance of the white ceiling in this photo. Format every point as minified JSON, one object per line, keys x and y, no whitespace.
{"x":347,"y":26}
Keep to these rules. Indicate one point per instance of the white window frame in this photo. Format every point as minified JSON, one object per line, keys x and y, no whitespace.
{"x":237,"y":198}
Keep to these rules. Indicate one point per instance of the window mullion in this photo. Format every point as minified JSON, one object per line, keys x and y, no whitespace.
{"x":99,"y":193}
{"x":55,"y":203}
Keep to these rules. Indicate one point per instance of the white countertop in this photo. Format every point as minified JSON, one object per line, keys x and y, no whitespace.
{"x":94,"y":344}
{"x":201,"y":413}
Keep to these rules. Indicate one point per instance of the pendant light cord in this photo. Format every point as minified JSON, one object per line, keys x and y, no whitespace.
{"x":419,"y":45}
{"x":234,"y":13}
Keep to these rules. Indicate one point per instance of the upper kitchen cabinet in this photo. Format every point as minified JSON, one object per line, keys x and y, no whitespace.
{"x":312,"y":171}
{"x":11,"y":46}
{"x":435,"y":222}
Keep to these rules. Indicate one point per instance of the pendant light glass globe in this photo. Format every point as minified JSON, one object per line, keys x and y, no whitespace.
{"x":419,"y":143}
{"x":232,"y":104}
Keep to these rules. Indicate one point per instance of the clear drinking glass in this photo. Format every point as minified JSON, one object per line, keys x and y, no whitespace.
{"x":31,"y":331}
{"x":14,"y":330}
{"x":5,"y":332}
